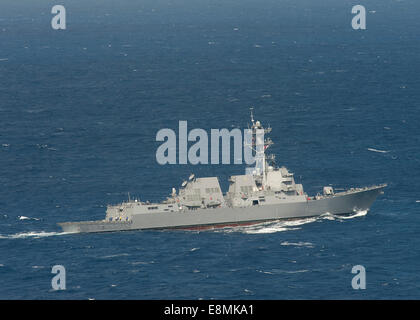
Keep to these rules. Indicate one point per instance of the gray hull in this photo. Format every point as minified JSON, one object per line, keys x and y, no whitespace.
{"x":342,"y":203}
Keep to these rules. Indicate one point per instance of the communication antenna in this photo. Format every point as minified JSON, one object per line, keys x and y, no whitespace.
{"x":252,"y":114}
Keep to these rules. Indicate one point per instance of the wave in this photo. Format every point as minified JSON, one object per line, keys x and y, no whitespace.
{"x":27,"y":218}
{"x":377,"y":150}
{"x":134,"y":263}
{"x":279,"y":271}
{"x":115,"y":256}
{"x":297,"y":244}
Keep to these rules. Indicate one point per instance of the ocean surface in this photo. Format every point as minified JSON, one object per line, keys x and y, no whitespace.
{"x":79,"y":113}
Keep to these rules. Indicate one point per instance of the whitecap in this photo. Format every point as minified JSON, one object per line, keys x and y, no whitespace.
{"x":115,"y":255}
{"x":297,"y":244}
{"x":26,"y":218}
{"x":141,"y":262}
{"x":277,"y":271}
{"x":35,"y":110}
{"x":293,"y":271}
{"x":377,"y":150}
{"x":266,"y":272}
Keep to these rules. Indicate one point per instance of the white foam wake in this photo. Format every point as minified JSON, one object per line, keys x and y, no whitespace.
{"x":261,"y":228}
{"x":289,"y":225}
{"x":355,"y":215}
{"x":271,"y":227}
{"x":32,"y":234}
{"x":329,"y":216}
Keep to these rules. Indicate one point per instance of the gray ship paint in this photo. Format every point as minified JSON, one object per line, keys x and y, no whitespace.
{"x":264,"y":193}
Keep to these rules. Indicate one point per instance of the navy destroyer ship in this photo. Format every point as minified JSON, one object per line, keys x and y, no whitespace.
{"x":265,"y":193}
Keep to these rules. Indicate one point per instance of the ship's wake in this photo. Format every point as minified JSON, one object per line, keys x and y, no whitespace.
{"x":355,"y":215}
{"x":32,"y":234}
{"x":290,"y":225}
{"x":276,"y":226}
{"x":258,"y":228}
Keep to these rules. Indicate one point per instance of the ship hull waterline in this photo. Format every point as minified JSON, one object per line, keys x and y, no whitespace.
{"x":340,"y":204}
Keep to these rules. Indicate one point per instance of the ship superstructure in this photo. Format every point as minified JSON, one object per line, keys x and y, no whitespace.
{"x":264,"y":193}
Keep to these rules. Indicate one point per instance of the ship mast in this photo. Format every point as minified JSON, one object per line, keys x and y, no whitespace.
{"x":259,"y":145}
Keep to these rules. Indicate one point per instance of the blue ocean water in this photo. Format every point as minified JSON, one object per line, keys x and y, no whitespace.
{"x":80,"y":109}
